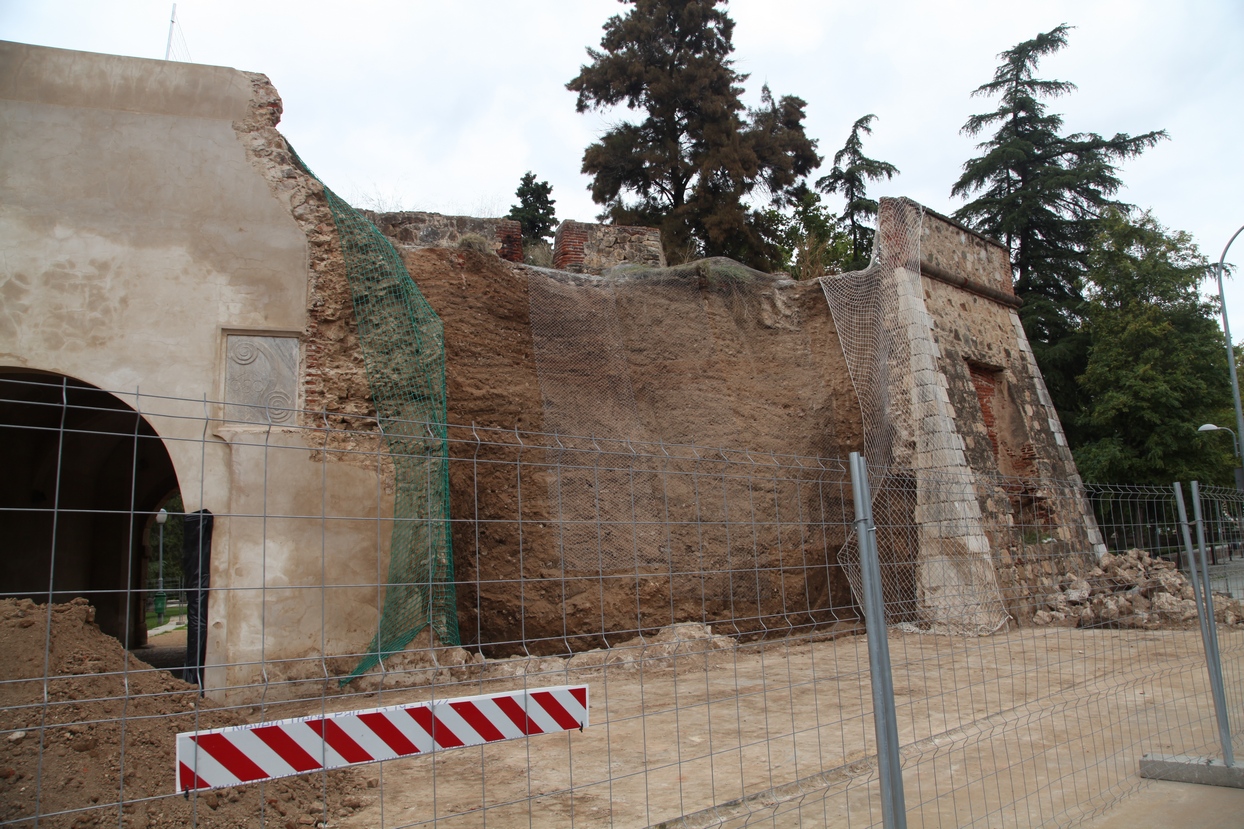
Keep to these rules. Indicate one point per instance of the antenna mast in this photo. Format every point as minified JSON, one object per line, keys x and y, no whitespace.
{"x":172,"y":24}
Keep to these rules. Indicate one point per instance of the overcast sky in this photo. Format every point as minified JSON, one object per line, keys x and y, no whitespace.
{"x":444,"y":105}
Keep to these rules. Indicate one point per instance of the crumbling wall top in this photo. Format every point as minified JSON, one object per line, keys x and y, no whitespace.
{"x":434,"y":230}
{"x":951,"y":251}
{"x":592,"y":248}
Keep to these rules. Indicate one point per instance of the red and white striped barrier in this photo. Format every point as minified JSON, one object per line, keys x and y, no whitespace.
{"x":251,"y":753}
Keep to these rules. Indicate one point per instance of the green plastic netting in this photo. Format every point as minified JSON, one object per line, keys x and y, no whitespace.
{"x":404,"y":351}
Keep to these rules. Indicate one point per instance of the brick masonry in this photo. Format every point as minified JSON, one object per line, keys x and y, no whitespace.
{"x":591,"y":248}
{"x":510,"y":236}
{"x":985,"y":381}
{"x":568,"y":246}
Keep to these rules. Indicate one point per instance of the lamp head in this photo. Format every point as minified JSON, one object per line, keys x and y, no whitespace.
{"x":161,"y":516}
{"x":1209,"y":427}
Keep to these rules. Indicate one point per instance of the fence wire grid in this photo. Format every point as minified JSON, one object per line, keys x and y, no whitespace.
{"x":720,"y":639}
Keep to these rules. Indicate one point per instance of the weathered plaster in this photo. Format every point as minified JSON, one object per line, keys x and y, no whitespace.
{"x":135,"y":230}
{"x":139,"y":234}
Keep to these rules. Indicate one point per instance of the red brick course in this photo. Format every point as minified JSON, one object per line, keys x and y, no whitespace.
{"x":985,"y":381}
{"x":568,"y":246}
{"x":510,"y":235}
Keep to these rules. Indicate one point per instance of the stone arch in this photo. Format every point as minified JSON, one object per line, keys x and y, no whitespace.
{"x":83,"y":474}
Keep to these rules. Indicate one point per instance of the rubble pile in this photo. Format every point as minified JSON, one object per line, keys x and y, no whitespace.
{"x":1129,"y":590}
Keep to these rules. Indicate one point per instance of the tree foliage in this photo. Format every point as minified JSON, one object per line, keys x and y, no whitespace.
{"x":697,"y":158}
{"x":808,"y":239}
{"x":1156,"y":367}
{"x":1041,"y":193}
{"x":534,"y":210}
{"x":849,"y":177}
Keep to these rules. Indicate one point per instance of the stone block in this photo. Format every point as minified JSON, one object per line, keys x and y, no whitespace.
{"x":591,"y":248}
{"x":261,"y":376}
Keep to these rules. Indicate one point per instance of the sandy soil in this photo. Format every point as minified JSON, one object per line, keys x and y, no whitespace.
{"x":1160,"y":804}
{"x":172,"y":639}
{"x":1023,"y":728}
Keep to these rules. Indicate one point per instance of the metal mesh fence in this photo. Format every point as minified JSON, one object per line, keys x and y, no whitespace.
{"x":727,"y":686}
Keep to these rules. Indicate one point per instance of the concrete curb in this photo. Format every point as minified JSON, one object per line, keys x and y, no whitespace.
{"x":1206,"y":771}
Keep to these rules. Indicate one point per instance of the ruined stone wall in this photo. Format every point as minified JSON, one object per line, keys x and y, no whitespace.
{"x":432,"y":230}
{"x":1027,"y":482}
{"x":954,"y":584}
{"x":966,"y":258}
{"x":772,"y":378}
{"x":580,"y":247}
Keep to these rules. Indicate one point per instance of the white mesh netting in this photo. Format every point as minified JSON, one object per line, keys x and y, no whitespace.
{"x":643,"y":372}
{"x":640,"y":367}
{"x":937,"y":572}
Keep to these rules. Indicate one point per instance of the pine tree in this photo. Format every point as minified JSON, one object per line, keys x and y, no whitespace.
{"x":1155,"y":360}
{"x":696,"y":158}
{"x":1041,"y":192}
{"x":849,"y":177}
{"x":534,"y":210}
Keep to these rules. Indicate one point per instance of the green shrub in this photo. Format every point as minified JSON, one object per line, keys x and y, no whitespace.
{"x":539,"y":254}
{"x":475,"y":242}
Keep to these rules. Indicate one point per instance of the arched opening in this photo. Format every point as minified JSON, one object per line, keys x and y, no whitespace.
{"x":83,"y":475}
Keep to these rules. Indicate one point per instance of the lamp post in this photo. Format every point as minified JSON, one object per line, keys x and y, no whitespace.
{"x":161,"y":600}
{"x":1235,"y":441}
{"x":1209,"y":427}
{"x":1235,"y":383}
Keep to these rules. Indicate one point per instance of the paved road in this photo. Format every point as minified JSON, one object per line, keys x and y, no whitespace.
{"x":1165,"y":805}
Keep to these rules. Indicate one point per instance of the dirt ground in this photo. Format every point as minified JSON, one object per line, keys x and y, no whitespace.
{"x":1031,"y":727}
{"x":106,"y":734}
{"x":1160,"y":804}
{"x":1022,"y":729}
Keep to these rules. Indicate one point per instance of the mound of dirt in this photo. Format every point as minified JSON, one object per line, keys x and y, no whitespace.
{"x":106,"y":731}
{"x":1132,"y":590}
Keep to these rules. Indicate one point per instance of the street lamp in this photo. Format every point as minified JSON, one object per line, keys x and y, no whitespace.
{"x":1239,"y":485}
{"x":161,"y":600}
{"x":1235,"y":443}
{"x":1235,"y":383}
{"x":1209,"y":427}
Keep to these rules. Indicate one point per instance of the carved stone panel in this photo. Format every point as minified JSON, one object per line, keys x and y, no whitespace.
{"x":261,"y":378}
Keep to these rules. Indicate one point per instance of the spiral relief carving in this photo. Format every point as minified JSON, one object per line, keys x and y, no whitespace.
{"x":261,"y":379}
{"x":280,"y":406}
{"x":242,"y":353}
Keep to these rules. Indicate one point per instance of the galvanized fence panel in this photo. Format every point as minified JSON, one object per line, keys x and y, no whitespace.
{"x":695,"y":593}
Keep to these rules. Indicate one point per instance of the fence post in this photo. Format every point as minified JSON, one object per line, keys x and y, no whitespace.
{"x":1209,"y":632}
{"x":1202,"y":770}
{"x":885,"y":720}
